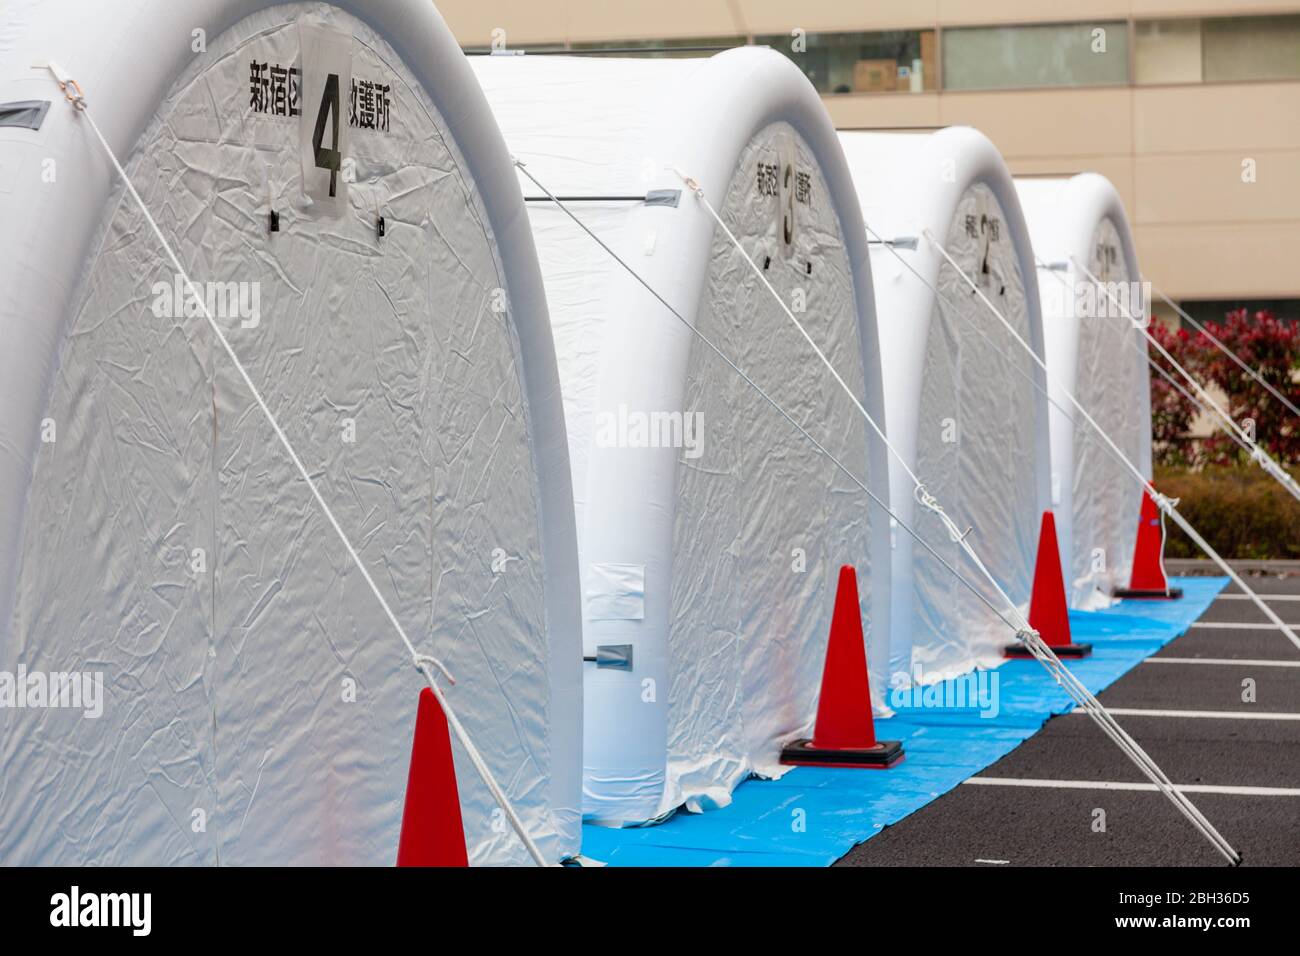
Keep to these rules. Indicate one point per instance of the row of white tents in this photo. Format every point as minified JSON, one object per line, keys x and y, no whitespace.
{"x":478,"y":389}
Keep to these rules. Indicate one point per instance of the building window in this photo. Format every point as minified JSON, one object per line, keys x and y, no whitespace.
{"x":1218,"y":49}
{"x":1054,"y":54}
{"x":1288,"y":310}
{"x":1168,"y":51}
{"x":687,"y":47}
{"x":894,"y":61}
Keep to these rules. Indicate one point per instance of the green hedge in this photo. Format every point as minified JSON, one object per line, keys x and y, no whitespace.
{"x":1242,"y":512}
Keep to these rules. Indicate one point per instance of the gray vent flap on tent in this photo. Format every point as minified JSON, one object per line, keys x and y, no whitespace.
{"x":24,"y":114}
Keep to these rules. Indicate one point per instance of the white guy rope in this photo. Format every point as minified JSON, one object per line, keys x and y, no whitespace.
{"x":1165,"y":504}
{"x":1222,"y":661}
{"x":1227,"y":351}
{"x":1086,"y":700}
{"x":1139,"y":787}
{"x":1026,"y":634}
{"x":1207,"y":714}
{"x":763,"y":394}
{"x":1257,"y":452}
{"x":423,"y":662}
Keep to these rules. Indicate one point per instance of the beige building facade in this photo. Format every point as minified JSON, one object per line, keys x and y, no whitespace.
{"x":1191,"y":107}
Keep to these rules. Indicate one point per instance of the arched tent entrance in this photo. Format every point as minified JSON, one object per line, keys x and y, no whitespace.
{"x":960,"y":399}
{"x":1097,"y":354}
{"x":714,"y":562}
{"x":152,"y":529}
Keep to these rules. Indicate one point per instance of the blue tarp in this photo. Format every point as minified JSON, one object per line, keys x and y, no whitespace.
{"x":813,"y":816}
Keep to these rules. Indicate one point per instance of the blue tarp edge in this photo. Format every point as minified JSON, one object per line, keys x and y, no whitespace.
{"x":812,"y":816}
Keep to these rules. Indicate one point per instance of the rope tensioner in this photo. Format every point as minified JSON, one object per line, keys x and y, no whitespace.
{"x":70,"y":88}
{"x":691,"y":183}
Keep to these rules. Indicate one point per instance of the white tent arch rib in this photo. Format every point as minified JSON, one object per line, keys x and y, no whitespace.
{"x":1098,"y":355}
{"x":962,"y":412}
{"x":165,"y":540}
{"x":718,"y":568}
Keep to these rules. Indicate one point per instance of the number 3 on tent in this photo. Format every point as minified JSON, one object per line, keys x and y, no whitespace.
{"x":331,"y":158}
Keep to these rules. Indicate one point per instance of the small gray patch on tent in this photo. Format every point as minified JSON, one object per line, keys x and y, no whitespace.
{"x":26,"y":114}
{"x":663,"y":197}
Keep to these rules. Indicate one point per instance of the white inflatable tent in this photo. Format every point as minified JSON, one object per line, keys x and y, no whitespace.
{"x":716,"y":563}
{"x":960,"y":400}
{"x":154,"y":531}
{"x":1097,"y":354}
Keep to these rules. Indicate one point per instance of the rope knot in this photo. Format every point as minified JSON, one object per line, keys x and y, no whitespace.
{"x":1164,"y":503}
{"x":930,"y":502}
{"x":924,"y":498}
{"x":422,"y":661}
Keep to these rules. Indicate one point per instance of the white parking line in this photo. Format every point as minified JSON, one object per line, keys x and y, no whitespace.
{"x":1144,"y":787}
{"x":1213,"y":714}
{"x":1228,"y":625}
{"x":1220,"y":660}
{"x":1238,"y":626}
{"x":1264,"y":597}
{"x":994,"y":862}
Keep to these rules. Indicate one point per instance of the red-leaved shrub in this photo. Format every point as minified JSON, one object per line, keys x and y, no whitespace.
{"x":1268,"y":345}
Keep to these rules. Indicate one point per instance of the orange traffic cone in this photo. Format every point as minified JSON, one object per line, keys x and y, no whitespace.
{"x":844,"y":735}
{"x":1148,"y":579}
{"x":432,"y":832}
{"x":1048,"y":612}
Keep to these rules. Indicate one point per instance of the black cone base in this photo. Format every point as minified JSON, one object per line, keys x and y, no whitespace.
{"x":1153,"y":594}
{"x":1065,"y":650}
{"x":885,"y":753}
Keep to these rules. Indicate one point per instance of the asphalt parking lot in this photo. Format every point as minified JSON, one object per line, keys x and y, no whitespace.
{"x":1237,"y":759}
